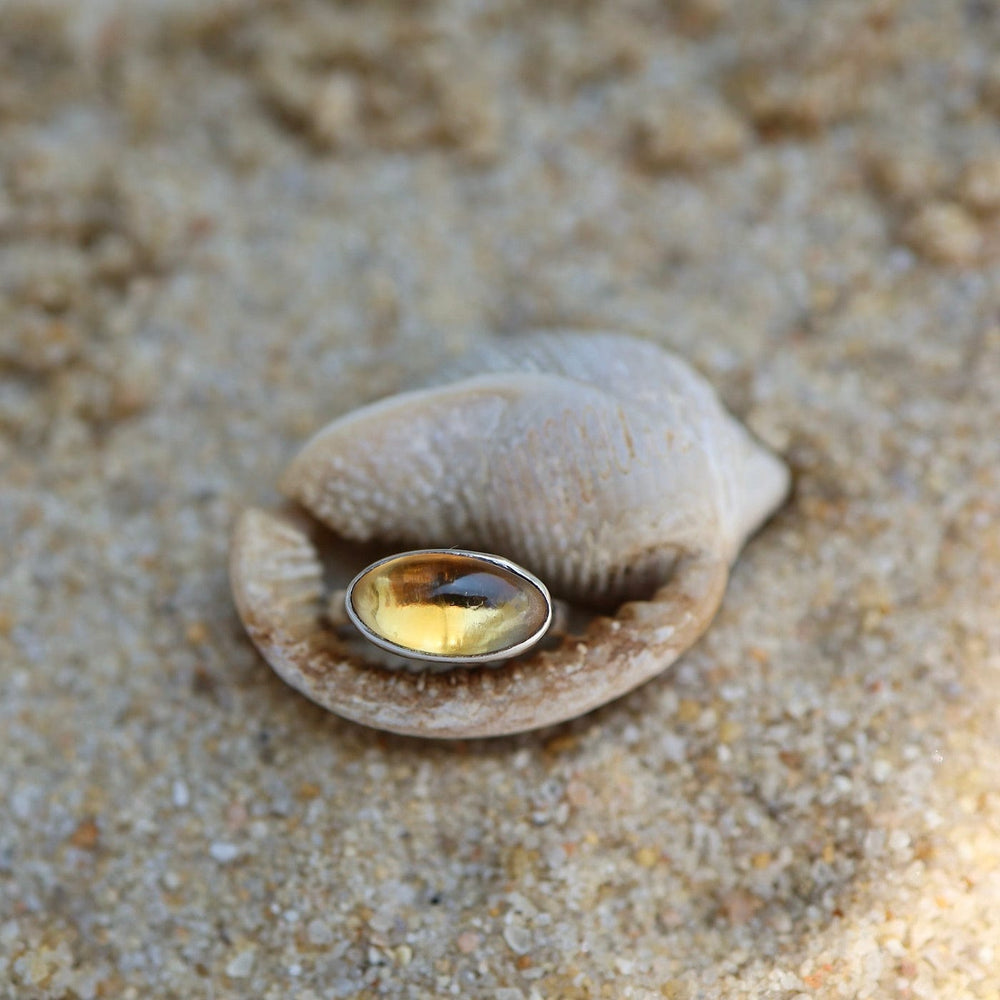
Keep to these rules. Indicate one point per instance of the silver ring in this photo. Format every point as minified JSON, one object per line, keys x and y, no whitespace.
{"x":449,"y":606}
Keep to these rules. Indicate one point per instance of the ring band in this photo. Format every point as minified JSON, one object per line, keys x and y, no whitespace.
{"x":449,"y":606}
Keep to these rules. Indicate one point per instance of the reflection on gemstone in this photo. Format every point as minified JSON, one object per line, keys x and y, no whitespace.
{"x":449,"y":604}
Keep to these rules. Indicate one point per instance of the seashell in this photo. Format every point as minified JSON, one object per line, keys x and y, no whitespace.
{"x":601,"y":463}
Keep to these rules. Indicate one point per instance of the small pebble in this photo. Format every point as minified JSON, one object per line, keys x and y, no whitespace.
{"x":223,"y":852}
{"x":509,"y":993}
{"x":468,"y":942}
{"x":519,"y":939}
{"x":979,"y":187}
{"x":671,"y":135}
{"x":21,"y":802}
{"x":674,"y":747}
{"x":646,"y":857}
{"x":881,"y":770}
{"x":241,"y":965}
{"x":336,"y":106}
{"x":196,"y":633}
{"x":578,"y":793}
{"x":86,"y":835}
{"x":899,"y":840}
{"x":944,"y":233}
{"x":319,"y":933}
{"x":181,"y":795}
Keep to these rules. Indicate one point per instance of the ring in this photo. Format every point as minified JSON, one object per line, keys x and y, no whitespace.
{"x":449,"y":606}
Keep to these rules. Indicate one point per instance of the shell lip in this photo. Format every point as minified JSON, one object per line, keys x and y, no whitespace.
{"x":472,"y":659}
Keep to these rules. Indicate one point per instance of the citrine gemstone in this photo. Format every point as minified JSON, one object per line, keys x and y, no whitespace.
{"x":449,"y":605}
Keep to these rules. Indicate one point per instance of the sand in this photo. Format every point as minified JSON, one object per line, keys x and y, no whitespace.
{"x":223,"y":223}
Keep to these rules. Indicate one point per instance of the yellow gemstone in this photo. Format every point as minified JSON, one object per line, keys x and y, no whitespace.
{"x":449,"y":605}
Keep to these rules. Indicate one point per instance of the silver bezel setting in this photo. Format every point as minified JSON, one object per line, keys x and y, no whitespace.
{"x":412,"y":654}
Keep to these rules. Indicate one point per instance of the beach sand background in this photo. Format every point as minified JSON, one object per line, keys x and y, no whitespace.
{"x":223,"y":223}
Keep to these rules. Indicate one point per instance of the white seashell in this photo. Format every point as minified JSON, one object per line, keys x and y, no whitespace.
{"x":602,"y":463}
